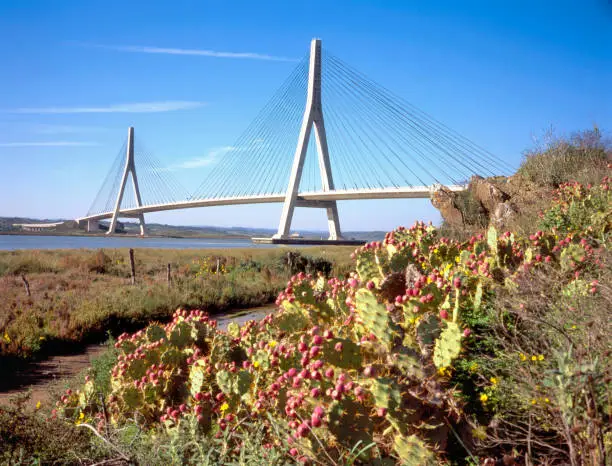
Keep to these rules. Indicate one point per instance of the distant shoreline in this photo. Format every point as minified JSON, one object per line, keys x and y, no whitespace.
{"x":119,"y":235}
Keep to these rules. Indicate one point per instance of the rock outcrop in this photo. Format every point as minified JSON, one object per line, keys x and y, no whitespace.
{"x":493,"y":202}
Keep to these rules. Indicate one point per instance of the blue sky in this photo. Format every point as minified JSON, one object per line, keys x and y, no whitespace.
{"x":76,"y":74}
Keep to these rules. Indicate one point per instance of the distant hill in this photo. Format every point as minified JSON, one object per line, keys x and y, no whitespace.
{"x":180,"y":231}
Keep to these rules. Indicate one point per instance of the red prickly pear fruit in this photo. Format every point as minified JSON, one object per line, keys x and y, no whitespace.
{"x":317,"y":340}
{"x":317,"y":364}
{"x":336,"y":395}
{"x":315,"y":330}
{"x":315,"y":392}
{"x":316,"y":421}
{"x":381,"y":412}
{"x":329,"y":373}
{"x":328,"y":334}
{"x":443,"y":314}
{"x":292,"y":372}
{"x":302,"y":347}
{"x":302,"y":430}
{"x":319,"y":411}
{"x":467,"y":332}
{"x":293,"y":451}
{"x":338,"y":346}
{"x":369,"y":371}
{"x":370,"y":285}
{"x":314,"y":351}
{"x":457,"y":282}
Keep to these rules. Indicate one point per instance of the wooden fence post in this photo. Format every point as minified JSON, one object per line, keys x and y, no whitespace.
{"x":168,"y":278}
{"x":26,"y":284}
{"x":132,"y":266}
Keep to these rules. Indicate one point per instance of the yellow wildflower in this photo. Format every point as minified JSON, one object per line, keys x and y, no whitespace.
{"x":534,"y":358}
{"x":457,"y":259}
{"x":540,"y":357}
{"x":473,"y":367}
{"x":256,"y":364}
{"x":272,"y":344}
{"x":533,"y":401}
{"x":546,"y":400}
{"x":523,"y":357}
{"x":224,"y":407}
{"x":436,"y":251}
{"x":493,"y":380}
{"x":38,"y":405}
{"x":484,"y":397}
{"x":7,"y":338}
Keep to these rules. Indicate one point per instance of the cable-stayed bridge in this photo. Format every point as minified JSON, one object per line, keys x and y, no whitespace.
{"x":328,"y":134}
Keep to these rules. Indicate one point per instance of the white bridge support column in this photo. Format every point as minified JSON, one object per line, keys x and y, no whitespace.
{"x":313,"y":115}
{"x":130,"y":168}
{"x":93,"y":226}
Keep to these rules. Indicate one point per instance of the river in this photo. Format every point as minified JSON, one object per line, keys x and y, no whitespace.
{"x":14,"y":242}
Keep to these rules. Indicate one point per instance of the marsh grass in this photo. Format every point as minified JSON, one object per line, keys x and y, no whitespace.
{"x":80,"y":295}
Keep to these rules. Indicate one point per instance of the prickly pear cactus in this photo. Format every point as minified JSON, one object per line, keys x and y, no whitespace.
{"x":342,"y":353}
{"x":181,"y":335}
{"x":368,"y":269}
{"x":350,"y":422}
{"x":413,"y":452}
{"x":492,"y":240}
{"x":448,"y":346}
{"x":386,"y":393}
{"x":427,"y":330}
{"x":375,"y":317}
{"x":236,"y":383}
{"x":155,"y":333}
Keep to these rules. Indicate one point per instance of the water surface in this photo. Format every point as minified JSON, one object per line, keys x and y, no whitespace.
{"x":14,"y":242}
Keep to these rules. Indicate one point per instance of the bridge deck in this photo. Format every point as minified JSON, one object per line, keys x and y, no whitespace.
{"x":412,"y":192}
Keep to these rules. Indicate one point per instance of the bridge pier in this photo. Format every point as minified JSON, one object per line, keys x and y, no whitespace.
{"x":93,"y":226}
{"x":313,"y":116}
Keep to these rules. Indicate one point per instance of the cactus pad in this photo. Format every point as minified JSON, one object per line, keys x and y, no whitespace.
{"x":448,"y":346}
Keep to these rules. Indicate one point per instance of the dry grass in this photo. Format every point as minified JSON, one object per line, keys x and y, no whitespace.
{"x":78,"y":295}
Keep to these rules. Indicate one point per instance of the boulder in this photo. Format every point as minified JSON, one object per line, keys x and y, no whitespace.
{"x":488,"y":194}
{"x":445,"y":201}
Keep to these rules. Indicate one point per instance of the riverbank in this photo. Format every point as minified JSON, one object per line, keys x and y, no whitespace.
{"x":55,"y":299}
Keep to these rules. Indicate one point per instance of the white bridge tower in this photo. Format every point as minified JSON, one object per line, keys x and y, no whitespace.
{"x":313,"y":116}
{"x":130,"y":168}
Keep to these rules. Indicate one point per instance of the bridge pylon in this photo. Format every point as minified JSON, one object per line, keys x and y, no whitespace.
{"x":313,"y":116}
{"x":129,"y":169}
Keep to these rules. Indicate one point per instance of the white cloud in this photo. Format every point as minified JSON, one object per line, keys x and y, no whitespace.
{"x":142,"y":107}
{"x":48,"y":144}
{"x":210,"y":158}
{"x":64,"y":129}
{"x":193,"y":52}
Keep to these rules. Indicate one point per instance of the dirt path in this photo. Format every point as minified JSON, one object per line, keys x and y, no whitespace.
{"x":40,"y":376}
